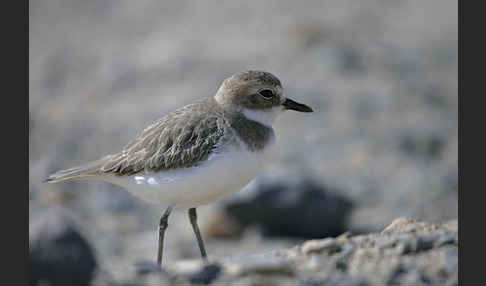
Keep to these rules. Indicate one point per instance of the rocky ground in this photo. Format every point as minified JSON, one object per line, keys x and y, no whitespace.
{"x":381,"y":77}
{"x":407,"y":252}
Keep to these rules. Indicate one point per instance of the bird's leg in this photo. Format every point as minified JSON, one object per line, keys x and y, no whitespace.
{"x":162,"y":227}
{"x":193,"y":219}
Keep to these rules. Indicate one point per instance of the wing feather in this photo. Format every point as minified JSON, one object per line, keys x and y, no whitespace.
{"x":177,"y":140}
{"x":181,"y":139}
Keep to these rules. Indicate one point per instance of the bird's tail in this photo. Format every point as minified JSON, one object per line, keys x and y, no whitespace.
{"x":83,"y":171}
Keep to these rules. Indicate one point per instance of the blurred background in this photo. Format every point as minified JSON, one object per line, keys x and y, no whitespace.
{"x":382,"y":142}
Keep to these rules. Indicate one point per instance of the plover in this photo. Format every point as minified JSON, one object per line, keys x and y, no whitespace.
{"x":198,"y":153}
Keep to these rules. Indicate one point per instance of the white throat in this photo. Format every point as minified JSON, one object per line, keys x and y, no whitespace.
{"x":265,"y":117}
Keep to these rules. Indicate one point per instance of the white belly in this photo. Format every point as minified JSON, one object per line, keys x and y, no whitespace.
{"x":191,"y":187}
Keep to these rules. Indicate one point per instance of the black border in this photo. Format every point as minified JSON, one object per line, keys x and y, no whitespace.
{"x":15,"y":80}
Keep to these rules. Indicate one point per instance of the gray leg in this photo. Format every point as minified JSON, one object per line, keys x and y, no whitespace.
{"x":193,"y":219}
{"x":162,"y":227}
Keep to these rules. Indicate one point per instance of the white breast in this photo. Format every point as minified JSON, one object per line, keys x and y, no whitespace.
{"x":220,"y":175}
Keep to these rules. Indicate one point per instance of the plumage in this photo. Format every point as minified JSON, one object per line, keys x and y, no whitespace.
{"x":182,"y":139}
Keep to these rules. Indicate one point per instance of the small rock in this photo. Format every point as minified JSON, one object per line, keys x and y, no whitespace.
{"x":195,"y":271}
{"x":415,"y":244}
{"x":398,"y":225}
{"x":206,"y":275}
{"x":386,"y":242}
{"x":327,"y":245}
{"x":297,"y":207}
{"x":407,"y":225}
{"x":58,"y":252}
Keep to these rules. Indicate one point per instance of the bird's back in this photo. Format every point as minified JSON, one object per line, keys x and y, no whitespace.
{"x":181,"y":139}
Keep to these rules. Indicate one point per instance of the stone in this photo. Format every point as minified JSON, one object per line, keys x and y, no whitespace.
{"x":206,"y":275}
{"x":58,"y":253}
{"x":194,"y":271}
{"x":297,"y":207}
{"x":327,"y":245}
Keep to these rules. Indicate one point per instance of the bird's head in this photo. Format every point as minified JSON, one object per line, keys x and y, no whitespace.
{"x":258,"y":95}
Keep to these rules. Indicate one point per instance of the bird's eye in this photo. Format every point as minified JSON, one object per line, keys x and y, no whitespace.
{"x":267,"y":93}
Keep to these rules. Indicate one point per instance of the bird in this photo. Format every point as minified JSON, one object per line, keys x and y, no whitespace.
{"x":197,"y":153}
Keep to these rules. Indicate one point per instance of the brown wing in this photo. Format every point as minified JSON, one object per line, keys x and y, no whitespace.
{"x":181,"y":139}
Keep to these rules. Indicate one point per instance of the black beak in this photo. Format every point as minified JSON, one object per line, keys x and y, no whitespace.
{"x":292,"y":105}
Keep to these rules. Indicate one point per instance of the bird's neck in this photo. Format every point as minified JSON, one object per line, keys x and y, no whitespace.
{"x":254,"y":134}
